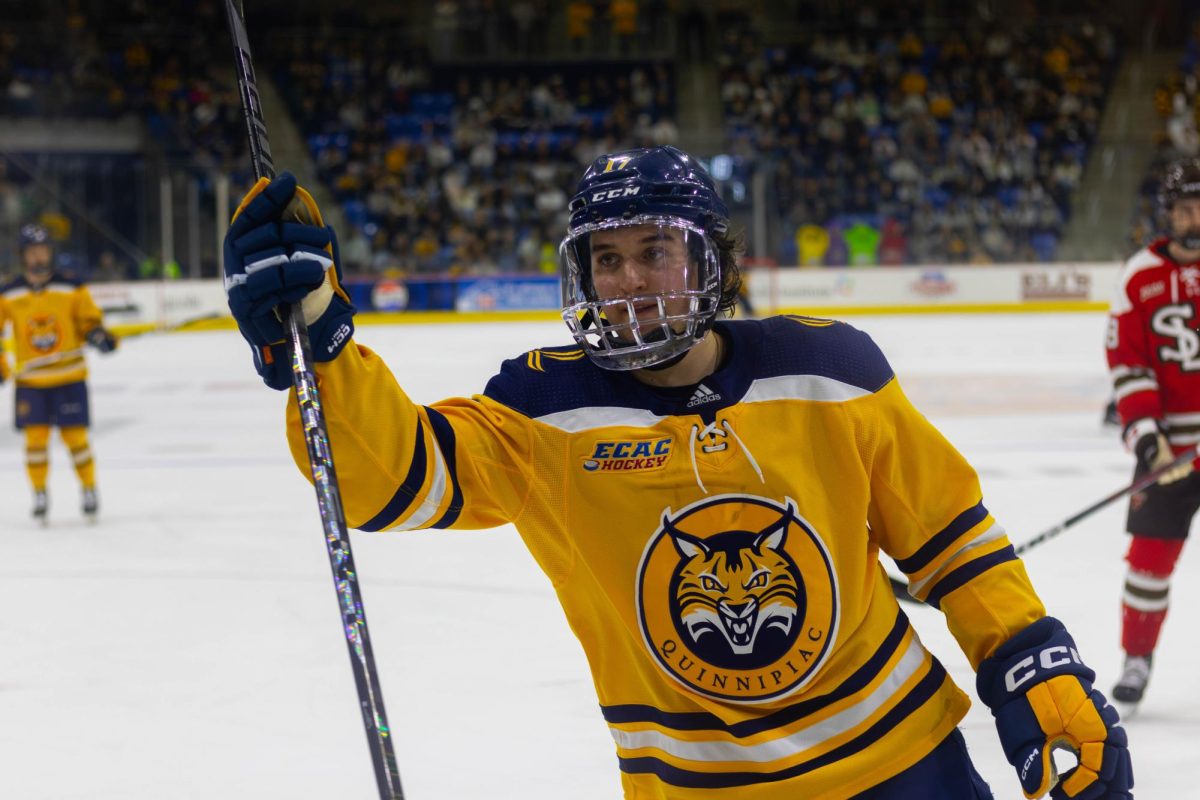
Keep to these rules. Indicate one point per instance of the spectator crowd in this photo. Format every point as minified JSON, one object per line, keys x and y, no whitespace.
{"x":1177,"y":104}
{"x":463,"y":169}
{"x":942,"y":145}
{"x":882,"y":141}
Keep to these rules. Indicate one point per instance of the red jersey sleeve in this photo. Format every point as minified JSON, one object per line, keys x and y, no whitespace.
{"x":1131,"y":359}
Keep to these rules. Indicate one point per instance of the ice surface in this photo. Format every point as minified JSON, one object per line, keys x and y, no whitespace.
{"x":188,"y":645}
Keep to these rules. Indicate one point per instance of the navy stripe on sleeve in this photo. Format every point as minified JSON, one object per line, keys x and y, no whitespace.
{"x":404,"y":496}
{"x":925,"y":689}
{"x":943,"y":539}
{"x":703,"y":721}
{"x":443,"y":431}
{"x":968,"y":571}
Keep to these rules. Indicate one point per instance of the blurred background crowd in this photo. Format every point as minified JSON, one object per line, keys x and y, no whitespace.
{"x":445,"y":136}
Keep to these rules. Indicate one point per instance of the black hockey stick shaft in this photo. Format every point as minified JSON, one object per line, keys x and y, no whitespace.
{"x":900,"y":588}
{"x":320,"y":458}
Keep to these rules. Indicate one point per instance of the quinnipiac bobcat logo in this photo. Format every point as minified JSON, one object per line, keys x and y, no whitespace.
{"x":44,"y":333}
{"x":737,"y":598}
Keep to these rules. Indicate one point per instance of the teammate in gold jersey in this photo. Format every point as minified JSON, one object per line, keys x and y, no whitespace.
{"x":709,"y":499}
{"x":52,"y":316}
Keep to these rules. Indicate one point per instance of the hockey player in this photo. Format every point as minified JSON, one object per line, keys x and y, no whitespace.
{"x":1154,"y":356}
{"x":709,"y":499}
{"x":52,"y":315}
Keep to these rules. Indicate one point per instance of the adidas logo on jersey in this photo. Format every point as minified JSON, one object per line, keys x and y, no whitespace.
{"x":703,"y":395}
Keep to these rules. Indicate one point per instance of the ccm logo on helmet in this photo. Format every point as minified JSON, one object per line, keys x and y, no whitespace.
{"x":1024,"y":670}
{"x":613,"y":194}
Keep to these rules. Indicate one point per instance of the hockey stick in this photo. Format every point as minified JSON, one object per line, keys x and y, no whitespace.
{"x":900,"y":588}
{"x":320,"y":458}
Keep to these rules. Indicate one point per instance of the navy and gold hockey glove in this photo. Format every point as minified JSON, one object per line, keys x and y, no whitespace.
{"x":270,"y":261}
{"x":102,"y":339}
{"x":1042,"y":698}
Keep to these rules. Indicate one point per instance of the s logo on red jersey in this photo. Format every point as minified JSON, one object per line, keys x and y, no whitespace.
{"x":1173,"y":322}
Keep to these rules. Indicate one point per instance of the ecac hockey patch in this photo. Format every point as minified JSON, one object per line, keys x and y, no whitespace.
{"x":643,"y":455}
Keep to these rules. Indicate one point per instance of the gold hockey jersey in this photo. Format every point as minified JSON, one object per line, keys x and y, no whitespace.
{"x":49,"y":328}
{"x":715,"y":548}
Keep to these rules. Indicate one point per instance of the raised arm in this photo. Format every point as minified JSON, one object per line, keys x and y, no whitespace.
{"x":459,"y":463}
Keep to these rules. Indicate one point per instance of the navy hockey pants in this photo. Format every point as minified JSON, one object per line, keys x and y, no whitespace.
{"x":945,"y":774}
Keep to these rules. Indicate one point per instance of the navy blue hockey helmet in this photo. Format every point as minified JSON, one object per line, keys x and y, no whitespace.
{"x":1182,"y":180}
{"x":32,"y":234}
{"x":641,"y":272}
{"x":656,"y":180}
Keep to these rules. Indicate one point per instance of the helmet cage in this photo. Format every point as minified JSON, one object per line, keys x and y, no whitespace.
{"x":684,"y":313}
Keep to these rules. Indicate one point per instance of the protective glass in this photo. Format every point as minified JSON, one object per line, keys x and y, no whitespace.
{"x":639,"y":291}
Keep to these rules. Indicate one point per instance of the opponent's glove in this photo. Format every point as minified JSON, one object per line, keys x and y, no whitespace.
{"x":269,"y":261}
{"x":102,"y":339}
{"x":1042,"y":698}
{"x":1146,"y":440}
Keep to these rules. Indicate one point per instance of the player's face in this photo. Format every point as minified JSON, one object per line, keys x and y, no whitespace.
{"x":640,"y":261}
{"x":36,"y":258}
{"x":1185,"y":218}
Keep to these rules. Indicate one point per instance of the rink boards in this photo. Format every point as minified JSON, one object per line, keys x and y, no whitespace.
{"x":139,"y":306}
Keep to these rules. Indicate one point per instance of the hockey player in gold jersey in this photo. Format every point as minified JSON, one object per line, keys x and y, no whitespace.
{"x":51,"y":316}
{"x":709,"y":499}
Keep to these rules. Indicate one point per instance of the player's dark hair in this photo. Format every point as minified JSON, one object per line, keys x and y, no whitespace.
{"x":731,"y":246}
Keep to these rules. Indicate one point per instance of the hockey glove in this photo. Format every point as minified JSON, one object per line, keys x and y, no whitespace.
{"x":102,"y":339}
{"x":1041,"y":696}
{"x":1146,"y":440}
{"x":270,"y":261}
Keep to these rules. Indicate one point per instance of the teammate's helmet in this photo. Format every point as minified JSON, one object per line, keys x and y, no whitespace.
{"x":680,"y":223}
{"x":32,"y":234}
{"x":1181,"y":181}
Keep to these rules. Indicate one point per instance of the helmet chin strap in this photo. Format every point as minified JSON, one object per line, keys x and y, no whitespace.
{"x":670,"y":362}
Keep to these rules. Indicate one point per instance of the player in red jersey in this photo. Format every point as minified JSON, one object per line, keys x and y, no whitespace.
{"x":1154,"y":356}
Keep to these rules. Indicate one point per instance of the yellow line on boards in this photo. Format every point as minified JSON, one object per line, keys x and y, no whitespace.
{"x":949,"y":308}
{"x":455,"y":317}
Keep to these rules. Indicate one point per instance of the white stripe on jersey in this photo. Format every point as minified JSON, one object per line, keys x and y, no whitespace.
{"x":1141,"y":260}
{"x":1140,"y":385}
{"x":17,"y":292}
{"x":51,"y":372}
{"x":786,"y":746}
{"x":1122,"y":371}
{"x":990,"y":535}
{"x":802,"y":387}
{"x":433,"y":498}
{"x":576,"y":420}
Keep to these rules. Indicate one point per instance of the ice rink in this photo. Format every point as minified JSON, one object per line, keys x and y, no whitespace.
{"x":188,"y":646}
